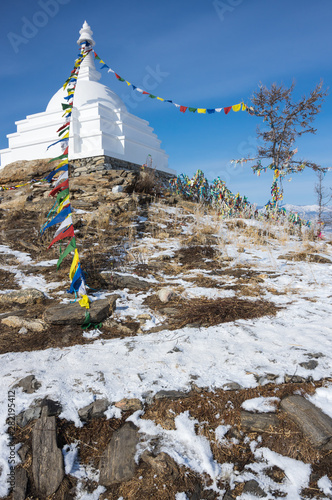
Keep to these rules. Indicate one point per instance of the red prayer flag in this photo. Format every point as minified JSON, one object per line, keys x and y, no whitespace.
{"x":63,"y":126}
{"x":69,"y":232}
{"x":60,"y":187}
{"x":65,"y":151}
{"x":227,"y":110}
{"x":183,"y":109}
{"x":118,"y":77}
{"x":144,"y":92}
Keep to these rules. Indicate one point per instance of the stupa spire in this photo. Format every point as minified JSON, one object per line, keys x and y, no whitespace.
{"x":88,"y":70}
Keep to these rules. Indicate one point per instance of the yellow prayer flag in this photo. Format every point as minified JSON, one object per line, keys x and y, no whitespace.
{"x":66,"y":136}
{"x":128,"y":83}
{"x":102,"y":62}
{"x":74,"y":265}
{"x":160,"y":99}
{"x":244,"y":107}
{"x":62,"y":205}
{"x":236,"y":107}
{"x":63,"y":162}
{"x":84,"y":302}
{"x":201,"y":110}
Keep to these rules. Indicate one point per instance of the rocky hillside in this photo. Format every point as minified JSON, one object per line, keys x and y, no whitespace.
{"x":206,"y":371}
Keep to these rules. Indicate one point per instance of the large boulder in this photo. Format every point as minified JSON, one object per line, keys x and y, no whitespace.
{"x":47,"y":460}
{"x":117,"y":463}
{"x":74,"y":314}
{"x":25,"y":170}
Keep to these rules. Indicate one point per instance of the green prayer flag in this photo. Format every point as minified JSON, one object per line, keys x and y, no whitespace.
{"x":61,"y":157}
{"x":69,"y":248}
{"x":66,"y":106}
{"x":62,"y":195}
{"x":63,"y":131}
{"x":152,"y":96}
{"x":192,"y":109}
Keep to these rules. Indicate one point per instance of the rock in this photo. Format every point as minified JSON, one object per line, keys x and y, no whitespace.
{"x":171,"y":395}
{"x":27,"y":296}
{"x":144,"y":317}
{"x":34,"y":411}
{"x":117,"y":463}
{"x":36,"y":325}
{"x":125,"y":404}
{"x":162,"y":463}
{"x":258,"y":422}
{"x":21,"y":484}
{"x":165,"y":294}
{"x":23,"y":330}
{"x":309,"y":365}
{"x":28,"y":384}
{"x":23,"y":452}
{"x":23,"y":170}
{"x":117,"y":189}
{"x":74,"y":314}
{"x":295,"y":379}
{"x":94,"y":410}
{"x":253,"y":488}
{"x":121,"y":282}
{"x":315,"y":424}
{"x":315,"y":355}
{"x":232,"y":386}
{"x":46,"y":456}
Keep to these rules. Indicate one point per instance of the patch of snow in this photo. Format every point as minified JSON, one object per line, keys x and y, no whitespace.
{"x":325,"y":485}
{"x":323,"y":399}
{"x":260,"y":404}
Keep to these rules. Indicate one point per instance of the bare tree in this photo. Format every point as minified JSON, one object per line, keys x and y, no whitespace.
{"x":285,"y":120}
{"x":323,"y":196}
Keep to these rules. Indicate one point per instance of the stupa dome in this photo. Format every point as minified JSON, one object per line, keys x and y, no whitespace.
{"x":100,"y":124}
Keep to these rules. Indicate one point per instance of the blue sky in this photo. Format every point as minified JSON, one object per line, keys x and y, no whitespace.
{"x":208,"y":54}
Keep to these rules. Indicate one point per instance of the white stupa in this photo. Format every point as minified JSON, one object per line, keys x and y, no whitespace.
{"x":101,"y":125}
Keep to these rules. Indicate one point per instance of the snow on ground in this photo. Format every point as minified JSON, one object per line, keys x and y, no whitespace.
{"x":260,"y":405}
{"x":243,"y":351}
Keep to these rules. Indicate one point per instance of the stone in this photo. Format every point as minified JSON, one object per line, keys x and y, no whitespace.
{"x":23,"y":330}
{"x":294,"y":379}
{"x":21,"y":484}
{"x":309,"y":365}
{"x":171,"y":395}
{"x":27,"y":296}
{"x":162,"y":464}
{"x":117,"y":463}
{"x":258,"y":422}
{"x":46,"y":456}
{"x":121,"y":282}
{"x":23,"y":170}
{"x":28,"y":384}
{"x":23,"y":452}
{"x":315,"y":424}
{"x":94,"y":410}
{"x":74,"y":314}
{"x":24,"y":324}
{"x":165,"y":294}
{"x":125,"y":404}
{"x":252,"y":487}
{"x":232,"y":386}
{"x":53,"y":408}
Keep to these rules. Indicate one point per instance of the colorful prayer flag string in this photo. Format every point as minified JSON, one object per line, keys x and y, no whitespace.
{"x":236,"y":107}
{"x":61,"y":211}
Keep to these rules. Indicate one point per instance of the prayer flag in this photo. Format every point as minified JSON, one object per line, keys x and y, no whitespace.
{"x":183,"y":109}
{"x":69,"y":248}
{"x":74,"y":265}
{"x":66,"y":234}
{"x":201,"y":110}
{"x":227,"y":110}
